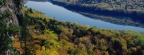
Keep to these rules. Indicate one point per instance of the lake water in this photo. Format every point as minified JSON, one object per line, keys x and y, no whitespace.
{"x":63,"y":14}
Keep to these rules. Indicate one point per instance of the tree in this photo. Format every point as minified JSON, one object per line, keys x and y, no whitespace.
{"x":14,"y":29}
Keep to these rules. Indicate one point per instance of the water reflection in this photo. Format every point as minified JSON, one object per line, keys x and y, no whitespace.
{"x":61,"y":13}
{"x":115,"y":17}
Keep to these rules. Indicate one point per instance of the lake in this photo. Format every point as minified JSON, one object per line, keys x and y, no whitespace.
{"x":64,"y":14}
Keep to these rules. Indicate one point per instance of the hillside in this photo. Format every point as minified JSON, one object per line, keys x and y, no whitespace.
{"x":24,"y":31}
{"x":119,"y":5}
{"x":105,"y":10}
{"x":55,"y":37}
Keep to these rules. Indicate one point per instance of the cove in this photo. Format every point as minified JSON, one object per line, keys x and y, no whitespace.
{"x":63,"y":14}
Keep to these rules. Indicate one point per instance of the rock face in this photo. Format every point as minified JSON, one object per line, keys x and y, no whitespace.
{"x":12,"y":8}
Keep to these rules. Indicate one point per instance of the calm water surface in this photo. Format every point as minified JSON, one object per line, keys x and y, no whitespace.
{"x":63,"y":14}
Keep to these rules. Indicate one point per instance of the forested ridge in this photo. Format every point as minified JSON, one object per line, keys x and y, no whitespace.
{"x":121,"y":5}
{"x":105,"y":10}
{"x":37,"y":34}
{"x":115,"y":8}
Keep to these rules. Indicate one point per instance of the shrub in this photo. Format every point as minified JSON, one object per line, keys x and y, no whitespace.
{"x":2,"y":27}
{"x":14,"y":29}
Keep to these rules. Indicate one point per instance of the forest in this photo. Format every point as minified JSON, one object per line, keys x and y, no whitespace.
{"x":48,"y":36}
{"x":37,"y":34}
{"x":124,"y":5}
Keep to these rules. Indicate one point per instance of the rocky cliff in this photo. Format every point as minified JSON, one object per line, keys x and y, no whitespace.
{"x":12,"y":8}
{"x":10,"y":11}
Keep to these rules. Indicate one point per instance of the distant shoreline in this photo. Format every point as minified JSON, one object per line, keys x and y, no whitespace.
{"x":134,"y":18}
